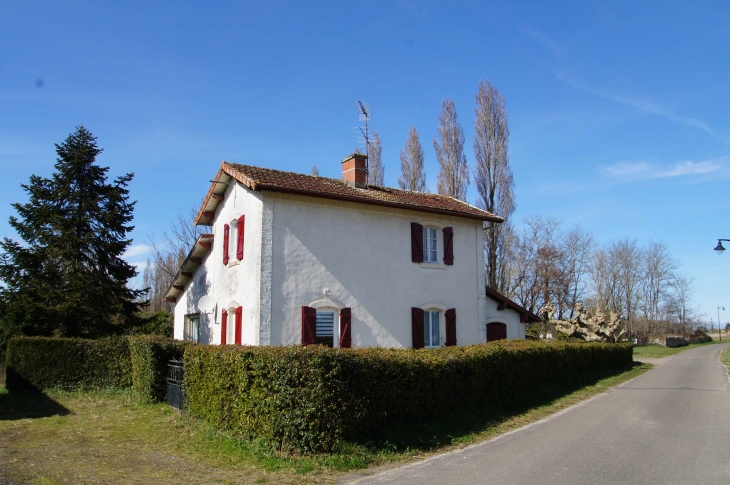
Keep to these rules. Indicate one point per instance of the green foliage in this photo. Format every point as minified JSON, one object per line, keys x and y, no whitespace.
{"x":68,"y":277}
{"x":150,"y":355}
{"x":312,"y":399}
{"x":67,"y":363}
{"x":154,"y":323}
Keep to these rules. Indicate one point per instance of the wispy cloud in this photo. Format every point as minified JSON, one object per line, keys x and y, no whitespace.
{"x":631,"y":171}
{"x":561,"y":70}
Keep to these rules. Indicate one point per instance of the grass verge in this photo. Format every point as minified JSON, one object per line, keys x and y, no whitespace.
{"x":658,"y":351}
{"x":725,"y":357}
{"x":111,"y":437}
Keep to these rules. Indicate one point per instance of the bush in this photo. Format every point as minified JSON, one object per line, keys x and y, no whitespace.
{"x":154,"y":323}
{"x":311,"y":398}
{"x":150,"y":355}
{"x":67,"y":363}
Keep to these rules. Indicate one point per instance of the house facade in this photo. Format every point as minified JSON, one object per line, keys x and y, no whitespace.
{"x":298,"y":259}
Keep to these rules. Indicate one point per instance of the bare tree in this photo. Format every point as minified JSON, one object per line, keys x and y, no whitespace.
{"x":315,"y":171}
{"x":376,"y":170}
{"x":412,"y":174}
{"x":453,"y":177}
{"x":658,"y":269}
{"x":683,"y":285}
{"x":492,"y":173}
{"x":168,"y":256}
{"x":577,"y":248}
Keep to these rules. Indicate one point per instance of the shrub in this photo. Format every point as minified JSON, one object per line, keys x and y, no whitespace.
{"x":150,"y":355}
{"x":154,"y":323}
{"x":67,"y":363}
{"x":311,"y":398}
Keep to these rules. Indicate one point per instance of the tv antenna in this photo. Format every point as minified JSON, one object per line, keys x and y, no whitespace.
{"x":364,"y":136}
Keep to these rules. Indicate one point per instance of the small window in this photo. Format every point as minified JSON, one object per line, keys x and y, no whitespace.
{"x":232,"y":240}
{"x":325,"y":328}
{"x":431,"y":329}
{"x":192,"y":327}
{"x":430,"y":245}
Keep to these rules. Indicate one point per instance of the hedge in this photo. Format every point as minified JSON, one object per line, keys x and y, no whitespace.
{"x":150,"y":355}
{"x":67,"y":363}
{"x":309,"y":399}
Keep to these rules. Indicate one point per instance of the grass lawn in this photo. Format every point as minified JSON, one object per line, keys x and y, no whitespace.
{"x":725,"y":357}
{"x":658,"y":351}
{"x":110,"y":437}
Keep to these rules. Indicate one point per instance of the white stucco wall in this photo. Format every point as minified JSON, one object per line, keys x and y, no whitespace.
{"x":230,"y":286}
{"x":362,"y":254}
{"x":515,"y":329}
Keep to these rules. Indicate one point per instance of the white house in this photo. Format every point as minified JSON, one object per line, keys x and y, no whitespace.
{"x":299,"y":259}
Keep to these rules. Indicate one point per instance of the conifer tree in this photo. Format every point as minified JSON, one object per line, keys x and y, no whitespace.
{"x":68,"y":277}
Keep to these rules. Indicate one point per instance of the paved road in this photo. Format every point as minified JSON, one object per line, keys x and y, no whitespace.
{"x":669,"y":426}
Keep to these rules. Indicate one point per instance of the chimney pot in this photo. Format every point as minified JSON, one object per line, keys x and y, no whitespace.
{"x":355,"y":170}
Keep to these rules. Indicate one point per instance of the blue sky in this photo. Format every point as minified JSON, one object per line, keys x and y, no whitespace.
{"x":618,"y":110}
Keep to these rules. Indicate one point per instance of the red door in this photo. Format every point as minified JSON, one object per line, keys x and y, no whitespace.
{"x":496,"y":331}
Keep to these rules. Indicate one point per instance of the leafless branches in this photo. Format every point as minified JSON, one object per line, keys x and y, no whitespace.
{"x":412,"y":174}
{"x":453,"y":176}
{"x":376,"y":169}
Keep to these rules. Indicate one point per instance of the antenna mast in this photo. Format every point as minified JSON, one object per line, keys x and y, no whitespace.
{"x":365,"y":114}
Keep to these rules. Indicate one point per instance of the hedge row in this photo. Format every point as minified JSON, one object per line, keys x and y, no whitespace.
{"x":67,"y":363}
{"x":310,"y":398}
{"x":150,"y":355}
{"x":73,"y":363}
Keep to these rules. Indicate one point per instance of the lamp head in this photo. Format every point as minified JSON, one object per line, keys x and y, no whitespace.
{"x":719,"y":249}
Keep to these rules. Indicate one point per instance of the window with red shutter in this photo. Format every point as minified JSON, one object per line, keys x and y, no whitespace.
{"x":448,"y":245}
{"x":345,"y":330}
{"x":239,"y":237}
{"x":450,"y":315}
{"x":224,"y":326}
{"x":417,"y":318}
{"x":239,"y":319}
{"x":309,"y":325}
{"x":416,"y":242}
{"x":226,"y":236}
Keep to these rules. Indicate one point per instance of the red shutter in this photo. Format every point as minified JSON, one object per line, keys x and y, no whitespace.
{"x":239,"y":237}
{"x":448,"y":245}
{"x":450,"y":327}
{"x":416,"y":242}
{"x":417,"y":322}
{"x":309,"y":325}
{"x":226,"y":233}
{"x":239,"y":317}
{"x":224,"y":326}
{"x":345,"y":332}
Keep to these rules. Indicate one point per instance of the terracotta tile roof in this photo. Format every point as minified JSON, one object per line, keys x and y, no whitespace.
{"x":257,"y":178}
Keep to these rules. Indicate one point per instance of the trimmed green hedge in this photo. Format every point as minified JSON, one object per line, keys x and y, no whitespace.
{"x":150,"y":355}
{"x":67,"y":363}
{"x":310,"y":398}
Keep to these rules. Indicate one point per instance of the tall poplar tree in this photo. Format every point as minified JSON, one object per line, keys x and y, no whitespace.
{"x":376,"y":169}
{"x":68,"y":277}
{"x":453,"y":177}
{"x":412,"y":174}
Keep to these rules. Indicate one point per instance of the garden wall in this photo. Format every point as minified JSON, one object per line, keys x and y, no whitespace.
{"x":310,"y":398}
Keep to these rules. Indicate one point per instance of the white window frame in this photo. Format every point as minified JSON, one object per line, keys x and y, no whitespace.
{"x":438,"y":227}
{"x":233,"y":242}
{"x":430,"y":239}
{"x":428,"y":315}
{"x":188,"y":333}
{"x":441,"y":309}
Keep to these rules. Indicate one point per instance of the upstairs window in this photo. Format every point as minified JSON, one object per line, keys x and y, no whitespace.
{"x":325,"y":328}
{"x":430,"y":245}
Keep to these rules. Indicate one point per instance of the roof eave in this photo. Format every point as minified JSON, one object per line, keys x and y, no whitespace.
{"x":198,"y":251}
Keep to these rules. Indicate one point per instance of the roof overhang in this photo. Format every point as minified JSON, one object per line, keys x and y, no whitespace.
{"x":503,"y":303}
{"x":202,"y":245}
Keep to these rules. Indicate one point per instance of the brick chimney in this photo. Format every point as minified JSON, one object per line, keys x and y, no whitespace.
{"x":355,"y":170}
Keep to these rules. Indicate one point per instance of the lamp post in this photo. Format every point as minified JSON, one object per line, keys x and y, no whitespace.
{"x":719,"y":332}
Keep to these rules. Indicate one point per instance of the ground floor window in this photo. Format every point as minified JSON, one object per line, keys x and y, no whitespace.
{"x":325,"y":328}
{"x":431,"y":328}
{"x":192,"y":327}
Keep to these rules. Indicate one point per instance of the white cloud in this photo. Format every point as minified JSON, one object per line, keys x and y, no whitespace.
{"x":136,"y":250}
{"x":629,"y":171}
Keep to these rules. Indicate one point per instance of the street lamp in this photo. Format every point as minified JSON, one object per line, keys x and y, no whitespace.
{"x":719,"y":332}
{"x":719,"y":249}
